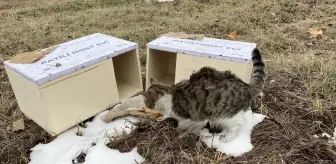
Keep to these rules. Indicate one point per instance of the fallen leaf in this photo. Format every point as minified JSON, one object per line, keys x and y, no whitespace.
{"x":233,"y":35}
{"x":183,"y":35}
{"x":18,"y":125}
{"x":50,"y":49}
{"x":315,"y":31}
{"x":31,"y":57}
{"x":141,"y":112}
{"x":26,"y":57}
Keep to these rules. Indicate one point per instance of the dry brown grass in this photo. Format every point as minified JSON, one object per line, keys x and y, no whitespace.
{"x":160,"y":142}
{"x":301,"y":82}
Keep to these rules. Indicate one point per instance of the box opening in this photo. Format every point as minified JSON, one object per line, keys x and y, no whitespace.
{"x":127,"y":74}
{"x":161,"y":66}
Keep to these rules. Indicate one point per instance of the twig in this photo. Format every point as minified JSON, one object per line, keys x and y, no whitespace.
{"x":296,"y":95}
{"x":275,"y":121}
{"x":142,"y":112}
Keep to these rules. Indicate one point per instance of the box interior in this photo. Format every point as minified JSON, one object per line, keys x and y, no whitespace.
{"x":161,"y":66}
{"x":187,"y":64}
{"x":127,"y":74}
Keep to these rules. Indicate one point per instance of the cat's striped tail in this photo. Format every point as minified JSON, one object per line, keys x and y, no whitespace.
{"x":258,"y":73}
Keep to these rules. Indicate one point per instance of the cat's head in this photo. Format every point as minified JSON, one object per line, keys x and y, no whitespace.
{"x":155,"y":85}
{"x":153,"y":82}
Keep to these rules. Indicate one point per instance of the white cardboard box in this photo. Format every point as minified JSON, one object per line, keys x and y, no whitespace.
{"x":76,"y":81}
{"x":170,"y":59}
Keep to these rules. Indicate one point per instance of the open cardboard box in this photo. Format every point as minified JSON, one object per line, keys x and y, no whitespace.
{"x":171,"y":59}
{"x":161,"y":65}
{"x":76,"y":81}
{"x":128,"y":74}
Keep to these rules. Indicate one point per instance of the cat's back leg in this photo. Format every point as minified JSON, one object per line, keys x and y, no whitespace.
{"x":187,"y":124}
{"x":192,"y":126}
{"x":229,"y":126}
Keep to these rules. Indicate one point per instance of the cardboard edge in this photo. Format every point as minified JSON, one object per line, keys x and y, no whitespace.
{"x":139,"y":67}
{"x":55,"y":133}
{"x":194,"y":53}
{"x":83,"y":65}
{"x":147,"y":69}
{"x":44,"y":125}
{"x":45,"y":79}
{"x":20,"y":73}
{"x":204,"y":38}
{"x":73,"y":69}
{"x":152,"y":45}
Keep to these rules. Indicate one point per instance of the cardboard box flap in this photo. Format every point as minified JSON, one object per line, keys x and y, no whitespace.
{"x":71,"y":56}
{"x":206,"y":47}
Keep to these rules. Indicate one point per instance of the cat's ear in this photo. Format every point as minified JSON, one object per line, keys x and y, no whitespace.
{"x":153,"y":81}
{"x":208,"y":126}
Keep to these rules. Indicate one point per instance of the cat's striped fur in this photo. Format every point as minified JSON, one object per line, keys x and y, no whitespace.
{"x":216,"y":97}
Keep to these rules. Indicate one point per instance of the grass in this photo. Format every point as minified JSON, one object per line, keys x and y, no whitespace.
{"x":301,"y":73}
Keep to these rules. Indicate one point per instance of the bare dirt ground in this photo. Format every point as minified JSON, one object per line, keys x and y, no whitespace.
{"x":300,"y":92}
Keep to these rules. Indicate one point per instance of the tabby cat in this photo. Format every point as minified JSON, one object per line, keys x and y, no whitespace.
{"x":209,"y":97}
